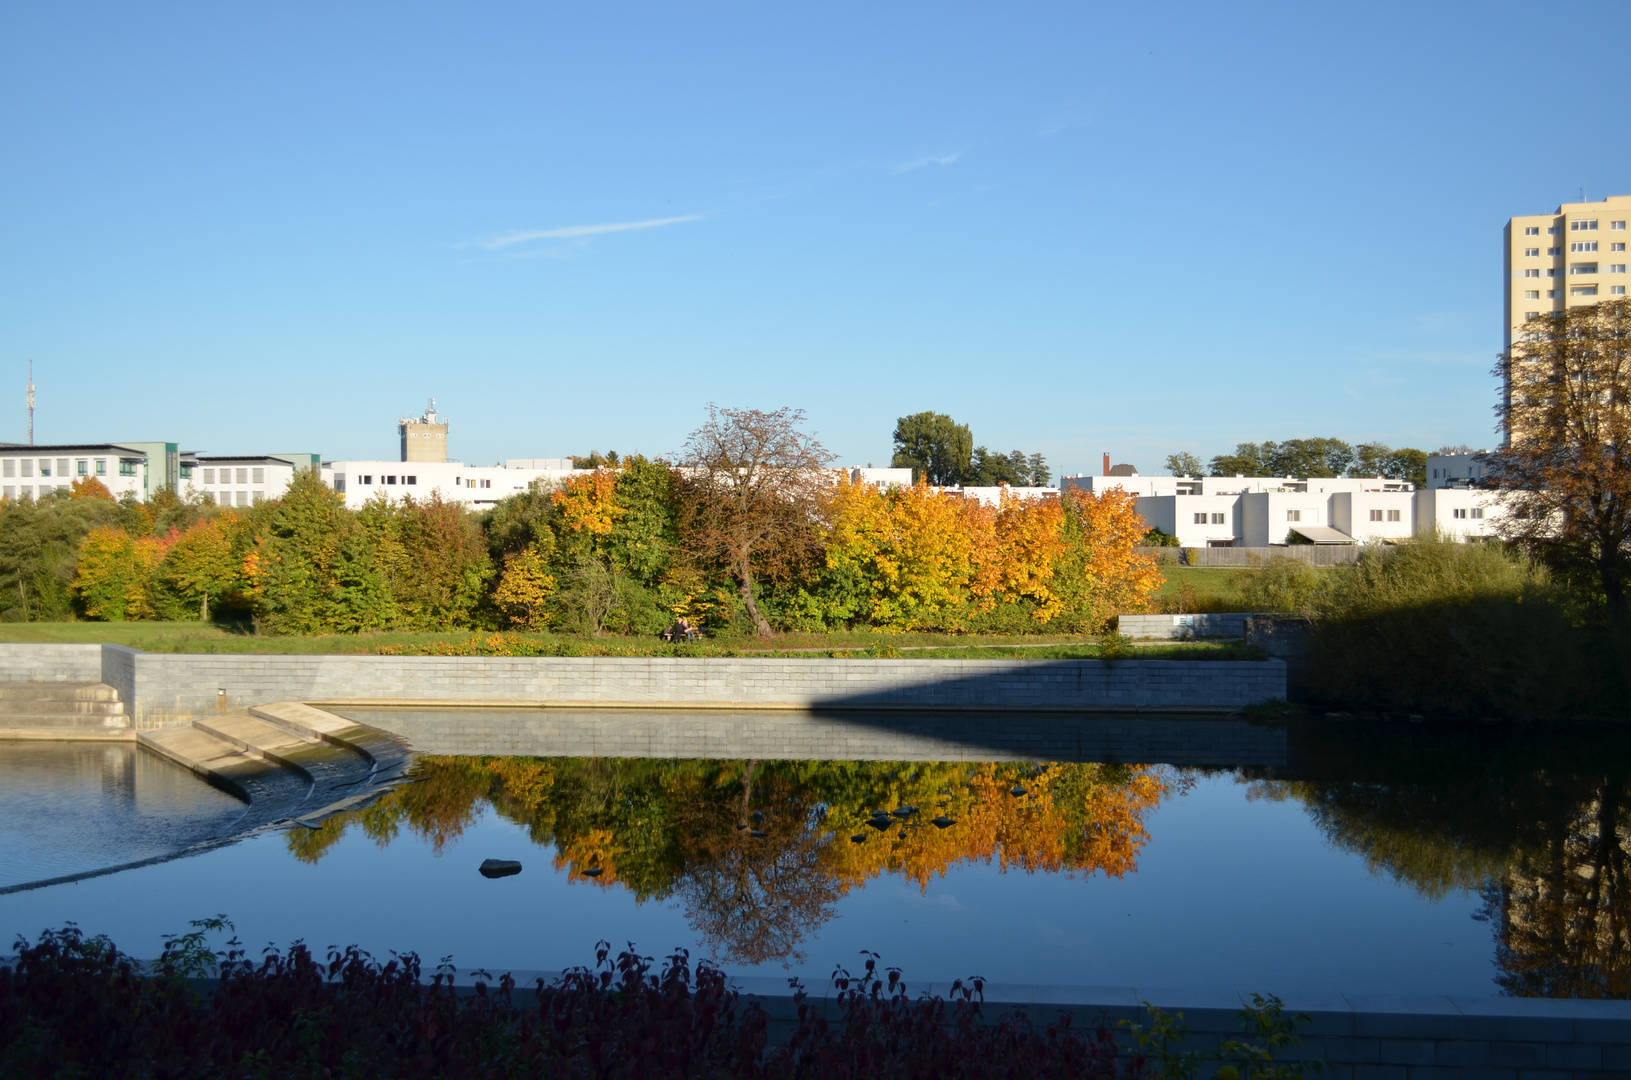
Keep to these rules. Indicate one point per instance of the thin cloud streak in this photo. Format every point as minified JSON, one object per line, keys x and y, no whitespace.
{"x":943,"y":159}
{"x":575,"y":231}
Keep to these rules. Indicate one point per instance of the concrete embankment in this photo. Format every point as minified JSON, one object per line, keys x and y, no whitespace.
{"x":162,"y":690}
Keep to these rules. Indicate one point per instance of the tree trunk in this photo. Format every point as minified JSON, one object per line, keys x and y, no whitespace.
{"x":1613,"y":579}
{"x":745,"y":578}
{"x":204,"y":608}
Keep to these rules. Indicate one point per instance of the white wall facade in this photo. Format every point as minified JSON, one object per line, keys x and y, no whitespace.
{"x":1196,"y":520}
{"x":1374,"y":515}
{"x":30,"y":472}
{"x":477,"y":487}
{"x":1462,"y":513}
{"x":240,"y":481}
{"x":1454,"y":470}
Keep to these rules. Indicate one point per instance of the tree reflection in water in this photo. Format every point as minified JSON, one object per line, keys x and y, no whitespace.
{"x":759,"y":852}
{"x":1536,"y":822}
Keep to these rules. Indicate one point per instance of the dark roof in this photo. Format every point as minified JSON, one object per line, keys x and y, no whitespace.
{"x":8,"y":448}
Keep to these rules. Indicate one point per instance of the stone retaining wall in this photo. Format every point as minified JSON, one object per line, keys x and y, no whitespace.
{"x":170,"y":689}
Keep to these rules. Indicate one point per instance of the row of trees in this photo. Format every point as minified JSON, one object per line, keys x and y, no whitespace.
{"x":749,"y":533}
{"x":1312,"y":457}
{"x":941,"y":451}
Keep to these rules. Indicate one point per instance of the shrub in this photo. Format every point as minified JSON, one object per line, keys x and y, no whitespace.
{"x":1281,"y":584}
{"x":1452,"y":628}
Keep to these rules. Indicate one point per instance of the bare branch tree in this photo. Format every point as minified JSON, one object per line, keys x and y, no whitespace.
{"x":1566,"y":468}
{"x":754,"y":486}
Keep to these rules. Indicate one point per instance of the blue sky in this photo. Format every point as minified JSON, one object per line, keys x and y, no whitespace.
{"x":1077,"y":228}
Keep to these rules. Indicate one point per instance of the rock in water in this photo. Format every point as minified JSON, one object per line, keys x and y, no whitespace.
{"x":904,"y":812}
{"x":757,"y":834}
{"x":880,"y":823}
{"x":1017,"y":792}
{"x":858,"y":838}
{"x":593,"y":871}
{"x":943,"y":822}
{"x":903,"y":834}
{"x":500,"y":868}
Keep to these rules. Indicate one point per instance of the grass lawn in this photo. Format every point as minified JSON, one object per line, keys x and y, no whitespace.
{"x":192,"y":637}
{"x":1215,"y":588}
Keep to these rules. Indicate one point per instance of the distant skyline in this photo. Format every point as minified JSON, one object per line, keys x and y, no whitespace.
{"x":1075,"y":228}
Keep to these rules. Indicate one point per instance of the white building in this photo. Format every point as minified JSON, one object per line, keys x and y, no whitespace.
{"x":1263,"y":511}
{"x":474,"y":486}
{"x":242,"y":480}
{"x":1462,"y":513}
{"x":1454,"y":470}
{"x":28,"y":472}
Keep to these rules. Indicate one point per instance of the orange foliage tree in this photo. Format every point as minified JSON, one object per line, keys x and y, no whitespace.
{"x":114,"y":581}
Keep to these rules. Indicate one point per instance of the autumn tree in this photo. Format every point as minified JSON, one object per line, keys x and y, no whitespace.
{"x":525,"y":588}
{"x":935,"y":447}
{"x":754,"y":486}
{"x":114,"y":580}
{"x":1566,"y":469}
{"x":441,"y":568}
{"x":202,"y":562}
{"x":1101,"y":572}
{"x":316,"y":570}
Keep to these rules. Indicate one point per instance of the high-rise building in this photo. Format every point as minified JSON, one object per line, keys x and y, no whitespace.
{"x":1573,"y":256}
{"x":424,"y":439}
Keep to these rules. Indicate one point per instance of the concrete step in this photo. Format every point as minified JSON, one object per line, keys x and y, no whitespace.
{"x":66,"y":721}
{"x":48,"y":707}
{"x":335,"y":770}
{"x":73,"y":710}
{"x":388,"y":757}
{"x":248,"y":776}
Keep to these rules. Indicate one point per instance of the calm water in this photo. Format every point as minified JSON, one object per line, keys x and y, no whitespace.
{"x":1479,"y":860}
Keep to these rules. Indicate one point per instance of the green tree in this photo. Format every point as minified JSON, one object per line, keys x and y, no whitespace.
{"x":1311,"y":457}
{"x":1249,"y":459}
{"x":202,"y":564}
{"x":39,"y":552}
{"x":1184,"y":463}
{"x":935,"y":447}
{"x":441,"y":569}
{"x":318,"y":569}
{"x":1407,"y":464}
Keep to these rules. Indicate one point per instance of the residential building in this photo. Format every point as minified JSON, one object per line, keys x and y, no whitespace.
{"x":1462,"y":513}
{"x":1454,"y":470}
{"x":476,"y":487}
{"x":1575,"y":255}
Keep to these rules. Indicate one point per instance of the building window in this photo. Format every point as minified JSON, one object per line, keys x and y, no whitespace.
{"x":62,"y":466}
{"x":243,"y":476}
{"x":1551,"y":271}
{"x":1553,"y":230}
{"x":243,"y":498}
{"x":186,"y":472}
{"x":1530,"y":314}
{"x":1583,"y":245}
{"x":209,"y":476}
{"x":1531,"y":230}
{"x":1554,"y":294}
{"x":1294,"y":515}
{"x":1531,"y":294}
{"x":1200,"y":519}
{"x":1554,"y":251}
{"x":45,"y":467}
{"x":1531,"y":273}
{"x":368,"y":478}
{"x":1616,"y":290}
{"x":1616,"y":268}
{"x":411,"y":479}
{"x":127,"y":468}
{"x":1376,"y":515}
{"x":258,"y":476}
{"x":82,"y":468}
{"x":28,"y":466}
{"x":1478,"y":511}
{"x":1219,"y":519}
{"x":1393,"y":515}
{"x":1531,"y":252}
{"x":1583,"y":226}
{"x":1459,"y":512}
{"x":10,"y":492}
{"x":486,"y":483}
{"x":1617,"y":226}
{"x":11,"y":467}
{"x":1583,"y":268}
{"x":1583,"y":290}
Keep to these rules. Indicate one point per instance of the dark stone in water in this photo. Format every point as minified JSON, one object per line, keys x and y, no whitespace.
{"x":902,"y":834}
{"x":880,"y":823}
{"x":904,"y":812}
{"x":858,"y":838}
{"x":757,"y":834}
{"x":499,"y":868}
{"x":943,"y":822}
{"x":1017,"y":792}
{"x":593,"y":871}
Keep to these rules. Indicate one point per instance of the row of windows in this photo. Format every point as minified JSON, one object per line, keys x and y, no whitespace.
{"x":1392,"y":515}
{"x":1464,"y":512}
{"x":1217,"y":519}
{"x":368,"y":478}
{"x":61,"y":466}
{"x":225,"y":498}
{"x":1577,"y":246}
{"x":1589,"y":225}
{"x":243,"y":476}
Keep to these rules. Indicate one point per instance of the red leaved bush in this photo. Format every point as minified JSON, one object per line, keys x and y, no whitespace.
{"x":75,"y":1006}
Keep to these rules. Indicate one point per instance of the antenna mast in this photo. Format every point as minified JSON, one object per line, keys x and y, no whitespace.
{"x":31,"y":401}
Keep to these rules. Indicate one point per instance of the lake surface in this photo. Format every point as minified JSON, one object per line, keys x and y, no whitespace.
{"x":1391,"y":858}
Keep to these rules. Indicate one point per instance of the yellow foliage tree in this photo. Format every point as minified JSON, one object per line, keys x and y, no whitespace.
{"x":1101,"y":573}
{"x":1018,"y":564}
{"x":589,"y":503}
{"x":89,"y":487}
{"x":114,"y":581}
{"x":525,"y":588}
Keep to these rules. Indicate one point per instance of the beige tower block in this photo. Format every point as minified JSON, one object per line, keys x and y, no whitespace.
{"x":424,"y":439}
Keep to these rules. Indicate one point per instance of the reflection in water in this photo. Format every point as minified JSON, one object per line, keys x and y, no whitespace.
{"x":759,"y":852}
{"x":1538,"y":823}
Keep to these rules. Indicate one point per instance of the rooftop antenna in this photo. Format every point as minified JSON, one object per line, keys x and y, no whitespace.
{"x":31,"y":401}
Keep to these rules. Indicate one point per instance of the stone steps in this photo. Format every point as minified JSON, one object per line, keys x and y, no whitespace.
{"x":62,"y":710}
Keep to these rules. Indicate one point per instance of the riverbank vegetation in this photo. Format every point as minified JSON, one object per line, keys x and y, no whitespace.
{"x":747,"y":536}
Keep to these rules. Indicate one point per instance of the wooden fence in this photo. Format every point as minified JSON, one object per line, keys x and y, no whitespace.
{"x":1313,"y":554}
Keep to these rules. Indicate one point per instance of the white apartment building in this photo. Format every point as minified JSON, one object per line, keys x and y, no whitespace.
{"x":1462,"y":513}
{"x":1454,"y":470}
{"x":29,"y":472}
{"x":1262,"y":511}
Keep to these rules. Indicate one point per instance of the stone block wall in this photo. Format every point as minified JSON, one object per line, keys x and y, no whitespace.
{"x":170,"y":689}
